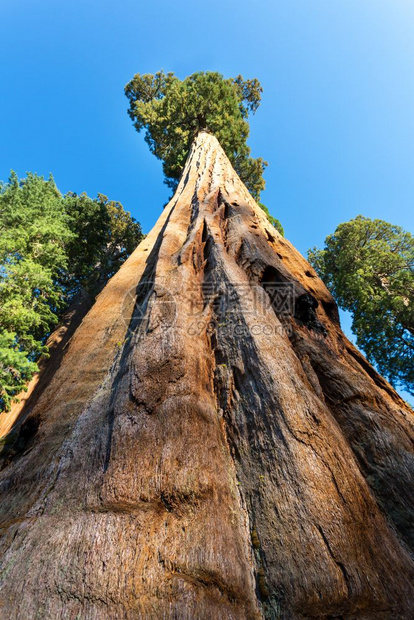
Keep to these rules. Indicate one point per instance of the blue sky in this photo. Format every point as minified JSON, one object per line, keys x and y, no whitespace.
{"x":336,"y":122}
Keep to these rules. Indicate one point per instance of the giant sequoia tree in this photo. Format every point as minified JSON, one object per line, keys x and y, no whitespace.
{"x":173,"y":111}
{"x":211,"y":446}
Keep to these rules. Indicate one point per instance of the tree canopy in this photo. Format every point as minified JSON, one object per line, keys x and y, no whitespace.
{"x":173,"y":111}
{"x":369,"y":267}
{"x":103,"y":236}
{"x":51,"y":248}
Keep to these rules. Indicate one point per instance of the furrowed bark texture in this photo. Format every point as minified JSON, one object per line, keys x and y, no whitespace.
{"x":205,"y":449}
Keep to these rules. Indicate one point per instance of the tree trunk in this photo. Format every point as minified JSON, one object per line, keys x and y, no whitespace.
{"x":212,"y":446}
{"x":56,"y":343}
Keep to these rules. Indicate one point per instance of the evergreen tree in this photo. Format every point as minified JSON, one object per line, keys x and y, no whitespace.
{"x":369,"y":267}
{"x":104,"y":235}
{"x":51,"y":248}
{"x":33,"y":233}
{"x":172,"y":111}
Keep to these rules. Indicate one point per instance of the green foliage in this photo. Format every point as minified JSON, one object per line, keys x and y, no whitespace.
{"x":173,"y":111}
{"x":51,"y":247}
{"x":15,"y":368}
{"x":369,"y":267}
{"x":33,"y":234}
{"x":104,"y":235}
{"x":88,"y":220}
{"x":122,"y":237}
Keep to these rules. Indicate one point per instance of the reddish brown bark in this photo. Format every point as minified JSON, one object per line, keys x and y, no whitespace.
{"x":205,"y":452}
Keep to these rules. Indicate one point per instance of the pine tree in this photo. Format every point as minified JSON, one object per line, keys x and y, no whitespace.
{"x":52,"y":248}
{"x":33,"y":234}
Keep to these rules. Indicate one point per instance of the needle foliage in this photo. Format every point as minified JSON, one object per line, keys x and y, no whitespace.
{"x":52,"y":247}
{"x":172,"y":111}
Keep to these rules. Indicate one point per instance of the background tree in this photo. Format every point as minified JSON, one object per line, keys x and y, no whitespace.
{"x":172,"y":111}
{"x":369,"y":267}
{"x":52,"y":248}
{"x":104,"y":235}
{"x":33,"y":232}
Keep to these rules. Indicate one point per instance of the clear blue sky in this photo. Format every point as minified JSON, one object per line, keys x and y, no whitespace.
{"x":336,"y":122}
